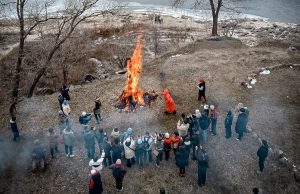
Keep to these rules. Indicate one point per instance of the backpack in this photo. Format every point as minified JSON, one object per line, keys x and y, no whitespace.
{"x":146,"y":143}
{"x":117,"y":172}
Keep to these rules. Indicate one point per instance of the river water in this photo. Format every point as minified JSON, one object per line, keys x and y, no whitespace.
{"x":275,"y":10}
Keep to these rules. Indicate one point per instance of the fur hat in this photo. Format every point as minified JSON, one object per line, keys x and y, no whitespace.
{"x":93,"y":171}
{"x":118,"y":162}
{"x":167,"y":135}
{"x":205,"y":106}
{"x":129,"y":131}
{"x":83,"y":113}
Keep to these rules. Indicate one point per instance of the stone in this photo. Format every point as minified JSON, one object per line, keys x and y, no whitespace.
{"x":292,"y":50}
{"x":89,"y":78}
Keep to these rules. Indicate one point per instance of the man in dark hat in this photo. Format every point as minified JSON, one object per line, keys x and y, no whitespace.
{"x":262,"y":154}
{"x":241,"y":123}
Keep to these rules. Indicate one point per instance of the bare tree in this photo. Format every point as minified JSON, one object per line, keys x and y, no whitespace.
{"x":27,"y":23}
{"x":76,"y":11}
{"x":156,"y":40}
{"x":215,"y":6}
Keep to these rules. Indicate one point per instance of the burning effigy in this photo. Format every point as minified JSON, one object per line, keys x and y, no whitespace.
{"x":132,"y":95}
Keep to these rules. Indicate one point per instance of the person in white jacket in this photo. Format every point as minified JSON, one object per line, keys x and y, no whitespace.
{"x":129,"y":147}
{"x":182,"y":127}
{"x":96,"y":163}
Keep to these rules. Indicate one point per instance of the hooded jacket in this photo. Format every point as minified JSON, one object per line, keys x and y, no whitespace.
{"x":182,"y":128}
{"x":241,"y":123}
{"x":97,"y":165}
{"x":204,"y":122}
{"x":129,"y":149}
{"x":228,"y":119}
{"x":69,"y":137}
{"x":181,"y":158}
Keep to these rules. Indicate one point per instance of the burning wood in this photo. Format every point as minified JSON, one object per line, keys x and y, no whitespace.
{"x":132,"y":95}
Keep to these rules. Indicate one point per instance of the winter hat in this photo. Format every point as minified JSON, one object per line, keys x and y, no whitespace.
{"x":198,"y":113}
{"x":36,"y":142}
{"x":205,"y":107}
{"x":118,"y":162}
{"x":83,"y":113}
{"x":187,"y":139}
{"x":116,"y":130}
{"x":201,"y":81}
{"x":66,"y":102}
{"x":167,"y":135}
{"x":139,"y":141}
{"x":176,"y":133}
{"x":242,"y":110}
{"x":159,"y":138}
{"x":93,"y":172}
{"x":212,"y":107}
{"x":264,"y":142}
{"x":129,"y":131}
{"x":128,"y":139}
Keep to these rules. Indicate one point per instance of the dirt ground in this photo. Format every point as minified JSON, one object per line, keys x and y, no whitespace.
{"x":274,"y":115}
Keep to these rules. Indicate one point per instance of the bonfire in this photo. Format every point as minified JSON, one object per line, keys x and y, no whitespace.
{"x":132,"y":95}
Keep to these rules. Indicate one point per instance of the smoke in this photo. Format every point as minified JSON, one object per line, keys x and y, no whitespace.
{"x":142,"y":120}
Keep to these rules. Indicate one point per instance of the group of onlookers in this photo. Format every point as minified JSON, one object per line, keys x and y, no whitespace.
{"x":190,"y":135}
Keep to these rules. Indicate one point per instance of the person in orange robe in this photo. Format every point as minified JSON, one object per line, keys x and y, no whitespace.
{"x":170,"y":104}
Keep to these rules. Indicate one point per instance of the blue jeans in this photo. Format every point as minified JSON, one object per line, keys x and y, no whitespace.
{"x":214,"y":126}
{"x":16,"y":135}
{"x":204,"y":136}
{"x":148,"y":156}
{"x":69,"y":150}
{"x":90,"y":151}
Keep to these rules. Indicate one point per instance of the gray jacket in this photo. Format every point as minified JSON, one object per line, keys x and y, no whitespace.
{"x":69,"y":137}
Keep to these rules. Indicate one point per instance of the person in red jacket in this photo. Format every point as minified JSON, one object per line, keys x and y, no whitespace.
{"x":176,"y":141}
{"x":95,"y":186}
{"x":167,"y":146}
{"x":170,"y":104}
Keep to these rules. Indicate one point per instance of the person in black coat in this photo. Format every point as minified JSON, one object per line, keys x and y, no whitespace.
{"x":228,"y":123}
{"x":181,"y":159}
{"x":262,"y":154}
{"x":107,"y":148}
{"x":95,"y":186}
{"x":202,"y":166}
{"x":117,"y":150}
{"x":201,"y":87}
{"x":65,"y":92}
{"x":241,"y":123}
{"x":14,"y":129}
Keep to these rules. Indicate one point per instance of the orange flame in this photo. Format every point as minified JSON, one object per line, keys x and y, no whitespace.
{"x":134,"y":68}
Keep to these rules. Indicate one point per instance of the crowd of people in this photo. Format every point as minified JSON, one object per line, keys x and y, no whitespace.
{"x":186,"y":142}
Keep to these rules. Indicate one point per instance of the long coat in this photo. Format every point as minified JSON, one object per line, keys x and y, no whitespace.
{"x":241,"y":123}
{"x":181,"y":158}
{"x":170,"y":104}
{"x":95,"y":186}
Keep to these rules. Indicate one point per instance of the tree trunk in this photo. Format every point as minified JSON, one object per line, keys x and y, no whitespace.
{"x":65,"y":74}
{"x":17,"y":78}
{"x":214,"y":31}
{"x":36,"y":80}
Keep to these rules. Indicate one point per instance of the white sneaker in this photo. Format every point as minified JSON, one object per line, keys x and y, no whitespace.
{"x":67,"y":155}
{"x":72,"y":155}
